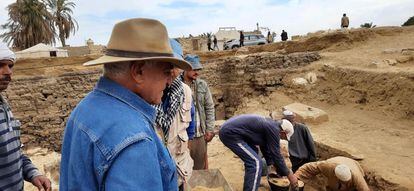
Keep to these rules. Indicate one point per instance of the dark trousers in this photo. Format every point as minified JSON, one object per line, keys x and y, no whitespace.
{"x":248,"y":154}
{"x":209,"y":46}
{"x":297,"y":163}
{"x":241,"y":43}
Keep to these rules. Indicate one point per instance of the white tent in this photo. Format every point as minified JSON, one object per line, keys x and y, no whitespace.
{"x":41,"y":51}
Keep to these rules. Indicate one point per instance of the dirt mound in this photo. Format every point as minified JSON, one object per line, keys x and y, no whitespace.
{"x":50,"y":66}
{"x":388,"y":92}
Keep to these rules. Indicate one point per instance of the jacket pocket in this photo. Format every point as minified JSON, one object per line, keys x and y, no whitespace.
{"x":183,"y":144}
{"x":185,"y":113}
{"x":184,"y":167}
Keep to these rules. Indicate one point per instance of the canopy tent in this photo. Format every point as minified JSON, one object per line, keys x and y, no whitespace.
{"x":41,"y":51}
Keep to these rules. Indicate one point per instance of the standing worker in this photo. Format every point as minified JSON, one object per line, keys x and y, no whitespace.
{"x":174,"y":120}
{"x":15,"y":167}
{"x":269,"y":37}
{"x":209,"y":43}
{"x":301,"y":146}
{"x":241,"y":39}
{"x":284,"y":35}
{"x":204,"y":113}
{"x":215,"y":43}
{"x":344,"y":21}
{"x":241,"y":134}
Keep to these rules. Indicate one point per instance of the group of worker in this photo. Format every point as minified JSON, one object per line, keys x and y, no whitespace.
{"x":144,"y":126}
{"x":246,"y":134}
{"x":147,"y":122}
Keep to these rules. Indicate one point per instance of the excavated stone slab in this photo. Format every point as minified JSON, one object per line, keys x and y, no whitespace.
{"x":308,"y":114}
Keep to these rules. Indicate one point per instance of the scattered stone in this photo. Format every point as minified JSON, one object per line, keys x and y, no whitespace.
{"x":308,"y":114}
{"x":408,"y":51}
{"x":37,"y":151}
{"x":405,"y":59}
{"x":391,"y":62}
{"x":311,"y":77}
{"x":299,"y":81}
{"x":391,"y":51}
{"x":48,"y":164}
{"x":377,"y":64}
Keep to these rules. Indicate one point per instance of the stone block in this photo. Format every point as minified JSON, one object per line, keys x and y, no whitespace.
{"x":405,"y":59}
{"x":308,"y":114}
{"x":299,"y":81}
{"x":311,"y":77}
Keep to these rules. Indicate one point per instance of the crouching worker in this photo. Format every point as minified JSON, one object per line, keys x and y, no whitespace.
{"x":242,"y":133}
{"x":341,"y":173}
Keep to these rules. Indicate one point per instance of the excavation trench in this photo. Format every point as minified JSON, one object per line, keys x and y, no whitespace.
{"x":368,"y":110}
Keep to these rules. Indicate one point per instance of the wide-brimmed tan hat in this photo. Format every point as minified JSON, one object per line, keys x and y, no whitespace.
{"x":139,"y":39}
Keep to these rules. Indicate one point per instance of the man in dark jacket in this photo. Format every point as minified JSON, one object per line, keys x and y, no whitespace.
{"x":242,"y":134}
{"x":209,"y":43}
{"x":241,"y":39}
{"x":284,"y":35}
{"x":301,"y":146}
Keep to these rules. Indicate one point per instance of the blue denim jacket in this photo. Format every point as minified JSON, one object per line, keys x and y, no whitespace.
{"x":109,"y":144}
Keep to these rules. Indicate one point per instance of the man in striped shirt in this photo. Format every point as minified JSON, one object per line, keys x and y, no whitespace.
{"x":14,"y":166}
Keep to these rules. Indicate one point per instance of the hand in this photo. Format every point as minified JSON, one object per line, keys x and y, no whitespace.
{"x":42,"y":183}
{"x":293,"y":180}
{"x":208,"y":136}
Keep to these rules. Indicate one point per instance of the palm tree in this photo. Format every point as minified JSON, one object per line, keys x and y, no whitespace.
{"x":62,"y":14}
{"x":29,"y":24}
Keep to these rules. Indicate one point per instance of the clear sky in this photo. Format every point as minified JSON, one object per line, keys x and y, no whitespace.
{"x":183,"y":17}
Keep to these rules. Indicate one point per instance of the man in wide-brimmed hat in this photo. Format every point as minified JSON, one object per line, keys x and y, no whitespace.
{"x":109,"y":141}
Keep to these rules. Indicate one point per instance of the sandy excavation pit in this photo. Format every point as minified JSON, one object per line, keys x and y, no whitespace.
{"x":369,"y":105}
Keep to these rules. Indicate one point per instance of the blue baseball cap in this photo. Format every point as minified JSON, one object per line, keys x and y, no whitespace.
{"x":177,"y":49}
{"x":194,"y":60}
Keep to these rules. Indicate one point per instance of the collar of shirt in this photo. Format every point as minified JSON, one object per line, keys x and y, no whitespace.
{"x":114,"y":89}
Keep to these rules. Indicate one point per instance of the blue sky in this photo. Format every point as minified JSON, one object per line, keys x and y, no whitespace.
{"x":183,"y":17}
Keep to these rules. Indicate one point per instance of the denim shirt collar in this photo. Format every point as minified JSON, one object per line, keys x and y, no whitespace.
{"x":114,"y":89}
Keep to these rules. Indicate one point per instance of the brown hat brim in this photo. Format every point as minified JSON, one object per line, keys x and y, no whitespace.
{"x":182,"y":64}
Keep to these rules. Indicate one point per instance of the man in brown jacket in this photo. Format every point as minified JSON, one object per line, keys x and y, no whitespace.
{"x":341,"y":173}
{"x":344,"y":21}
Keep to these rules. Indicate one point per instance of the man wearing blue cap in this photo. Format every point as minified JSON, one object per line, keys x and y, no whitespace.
{"x":204,"y":117}
{"x":174,"y":120}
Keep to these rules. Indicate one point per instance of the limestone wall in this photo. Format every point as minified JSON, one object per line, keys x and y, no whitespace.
{"x":44,"y":104}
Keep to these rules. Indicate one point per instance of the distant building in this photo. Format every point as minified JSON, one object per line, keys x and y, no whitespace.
{"x":227,"y":33}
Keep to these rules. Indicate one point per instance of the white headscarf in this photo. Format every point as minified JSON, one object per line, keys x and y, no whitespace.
{"x":343,"y":172}
{"x":288,"y":128}
{"x":287,"y":113}
{"x":6,"y":53}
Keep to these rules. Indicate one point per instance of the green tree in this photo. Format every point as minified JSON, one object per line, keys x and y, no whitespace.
{"x":409,"y":22}
{"x":62,"y":15}
{"x":368,"y":25}
{"x":29,"y":24}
